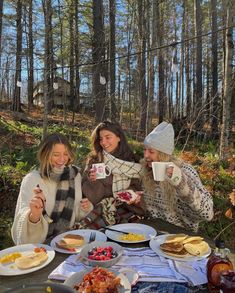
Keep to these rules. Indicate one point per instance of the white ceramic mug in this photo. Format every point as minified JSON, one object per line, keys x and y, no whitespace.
{"x":102,"y":170}
{"x":159,"y":170}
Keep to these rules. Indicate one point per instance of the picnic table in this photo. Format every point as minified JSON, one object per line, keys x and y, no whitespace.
{"x":42,"y":274}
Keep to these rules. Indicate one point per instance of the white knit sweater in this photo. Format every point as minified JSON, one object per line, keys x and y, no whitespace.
{"x":23,"y":231}
{"x":190,"y":203}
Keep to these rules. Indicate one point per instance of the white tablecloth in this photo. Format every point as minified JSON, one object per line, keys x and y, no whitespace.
{"x":150,"y":267}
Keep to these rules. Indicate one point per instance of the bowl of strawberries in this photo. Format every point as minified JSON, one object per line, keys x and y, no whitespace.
{"x":102,"y":254}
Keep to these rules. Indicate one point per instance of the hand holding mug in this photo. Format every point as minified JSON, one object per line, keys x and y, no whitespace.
{"x":92,"y":175}
{"x":101,"y":170}
{"x":161,"y":170}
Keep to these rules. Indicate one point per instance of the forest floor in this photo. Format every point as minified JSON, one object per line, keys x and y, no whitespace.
{"x":24,"y":139}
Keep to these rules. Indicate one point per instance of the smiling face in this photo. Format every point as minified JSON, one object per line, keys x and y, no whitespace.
{"x":108,"y":140}
{"x":59,"y":156}
{"x":151,"y":155}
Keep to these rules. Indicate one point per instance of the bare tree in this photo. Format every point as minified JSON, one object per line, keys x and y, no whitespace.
{"x":48,"y":61}
{"x":30,"y":57}
{"x":161,"y":78}
{"x":112,"y":53}
{"x":1,"y":7}
{"x":198,"y":34}
{"x":228,"y":83}
{"x":98,"y":53}
{"x":16,"y":106}
{"x":142,"y":63}
{"x":214,"y":67}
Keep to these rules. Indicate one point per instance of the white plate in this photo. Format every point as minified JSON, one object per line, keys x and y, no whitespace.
{"x":10,"y":269}
{"x":77,"y":278}
{"x":145,"y":230}
{"x":157,"y":241}
{"x":83,"y":232}
{"x":132,"y":195}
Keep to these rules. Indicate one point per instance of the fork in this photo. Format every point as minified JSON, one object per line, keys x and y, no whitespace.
{"x":92,"y":237}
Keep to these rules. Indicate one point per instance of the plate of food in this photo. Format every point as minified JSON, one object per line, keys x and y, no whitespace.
{"x":96,"y":279}
{"x":180,"y":247}
{"x":72,"y":241}
{"x":25,"y":258}
{"x":132,"y":233}
{"x":126,"y":195}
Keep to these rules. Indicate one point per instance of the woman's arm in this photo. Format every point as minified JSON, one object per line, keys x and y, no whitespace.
{"x":23,"y":230}
{"x":191,"y":191}
{"x":95,"y":191}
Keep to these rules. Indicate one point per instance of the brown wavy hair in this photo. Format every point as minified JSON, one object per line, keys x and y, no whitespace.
{"x":123,"y":150}
{"x":45,"y":152}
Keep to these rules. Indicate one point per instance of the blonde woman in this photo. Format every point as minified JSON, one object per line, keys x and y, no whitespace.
{"x":181,"y":198}
{"x":50,"y":198}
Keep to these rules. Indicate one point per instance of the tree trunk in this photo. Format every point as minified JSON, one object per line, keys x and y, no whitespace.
{"x":198,"y":89}
{"x":71,"y":58}
{"x":17,"y":89}
{"x":98,"y":54}
{"x":151,"y":70}
{"x":31,"y":59}
{"x":214,"y":67}
{"x":1,"y":9}
{"x":228,"y":84}
{"x":112,"y":54}
{"x":161,"y":78}
{"x":77,"y":57}
{"x":142,"y":63}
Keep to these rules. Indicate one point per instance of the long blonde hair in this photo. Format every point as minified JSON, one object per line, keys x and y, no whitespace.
{"x":150,"y":184}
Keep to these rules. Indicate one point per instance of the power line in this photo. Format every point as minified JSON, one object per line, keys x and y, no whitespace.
{"x":173,"y":44}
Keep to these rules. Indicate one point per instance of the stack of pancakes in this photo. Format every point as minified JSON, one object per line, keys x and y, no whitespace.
{"x":182,"y":245}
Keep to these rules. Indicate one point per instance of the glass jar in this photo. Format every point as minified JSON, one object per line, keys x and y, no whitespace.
{"x":218,"y":262}
{"x":227,"y":282}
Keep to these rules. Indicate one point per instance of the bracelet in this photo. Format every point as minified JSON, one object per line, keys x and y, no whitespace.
{"x":30,"y":215}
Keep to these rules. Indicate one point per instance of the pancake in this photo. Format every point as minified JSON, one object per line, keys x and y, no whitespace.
{"x":71,"y":241}
{"x":183,"y":253}
{"x":31,"y":260}
{"x":172,"y":247}
{"x":175,"y":238}
{"x":193,"y":239}
{"x":197,"y":249}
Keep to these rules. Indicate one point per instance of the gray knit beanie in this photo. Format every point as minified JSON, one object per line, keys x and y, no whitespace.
{"x":161,"y":138}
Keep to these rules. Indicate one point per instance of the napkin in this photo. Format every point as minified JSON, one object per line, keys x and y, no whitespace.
{"x":150,"y":267}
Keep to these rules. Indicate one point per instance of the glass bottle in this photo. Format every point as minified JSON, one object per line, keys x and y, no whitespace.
{"x":227,"y":282}
{"x":217,"y":263}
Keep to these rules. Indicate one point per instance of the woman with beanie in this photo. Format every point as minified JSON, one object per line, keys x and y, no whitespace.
{"x":109,"y":146}
{"x":180,"y":199}
{"x":50,"y":198}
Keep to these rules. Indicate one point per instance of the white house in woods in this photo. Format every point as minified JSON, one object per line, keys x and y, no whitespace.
{"x":61,"y":94}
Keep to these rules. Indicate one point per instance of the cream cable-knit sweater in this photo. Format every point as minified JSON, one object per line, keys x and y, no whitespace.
{"x":23,"y":231}
{"x":188,"y":204}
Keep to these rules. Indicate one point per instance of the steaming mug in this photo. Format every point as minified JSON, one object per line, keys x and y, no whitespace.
{"x":101,"y":170}
{"x":159,"y":170}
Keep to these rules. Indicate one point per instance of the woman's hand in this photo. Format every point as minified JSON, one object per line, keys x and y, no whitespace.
{"x":85,"y":204}
{"x":137,"y":199}
{"x":169,"y":170}
{"x":92,"y":175}
{"x":36,"y":205}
